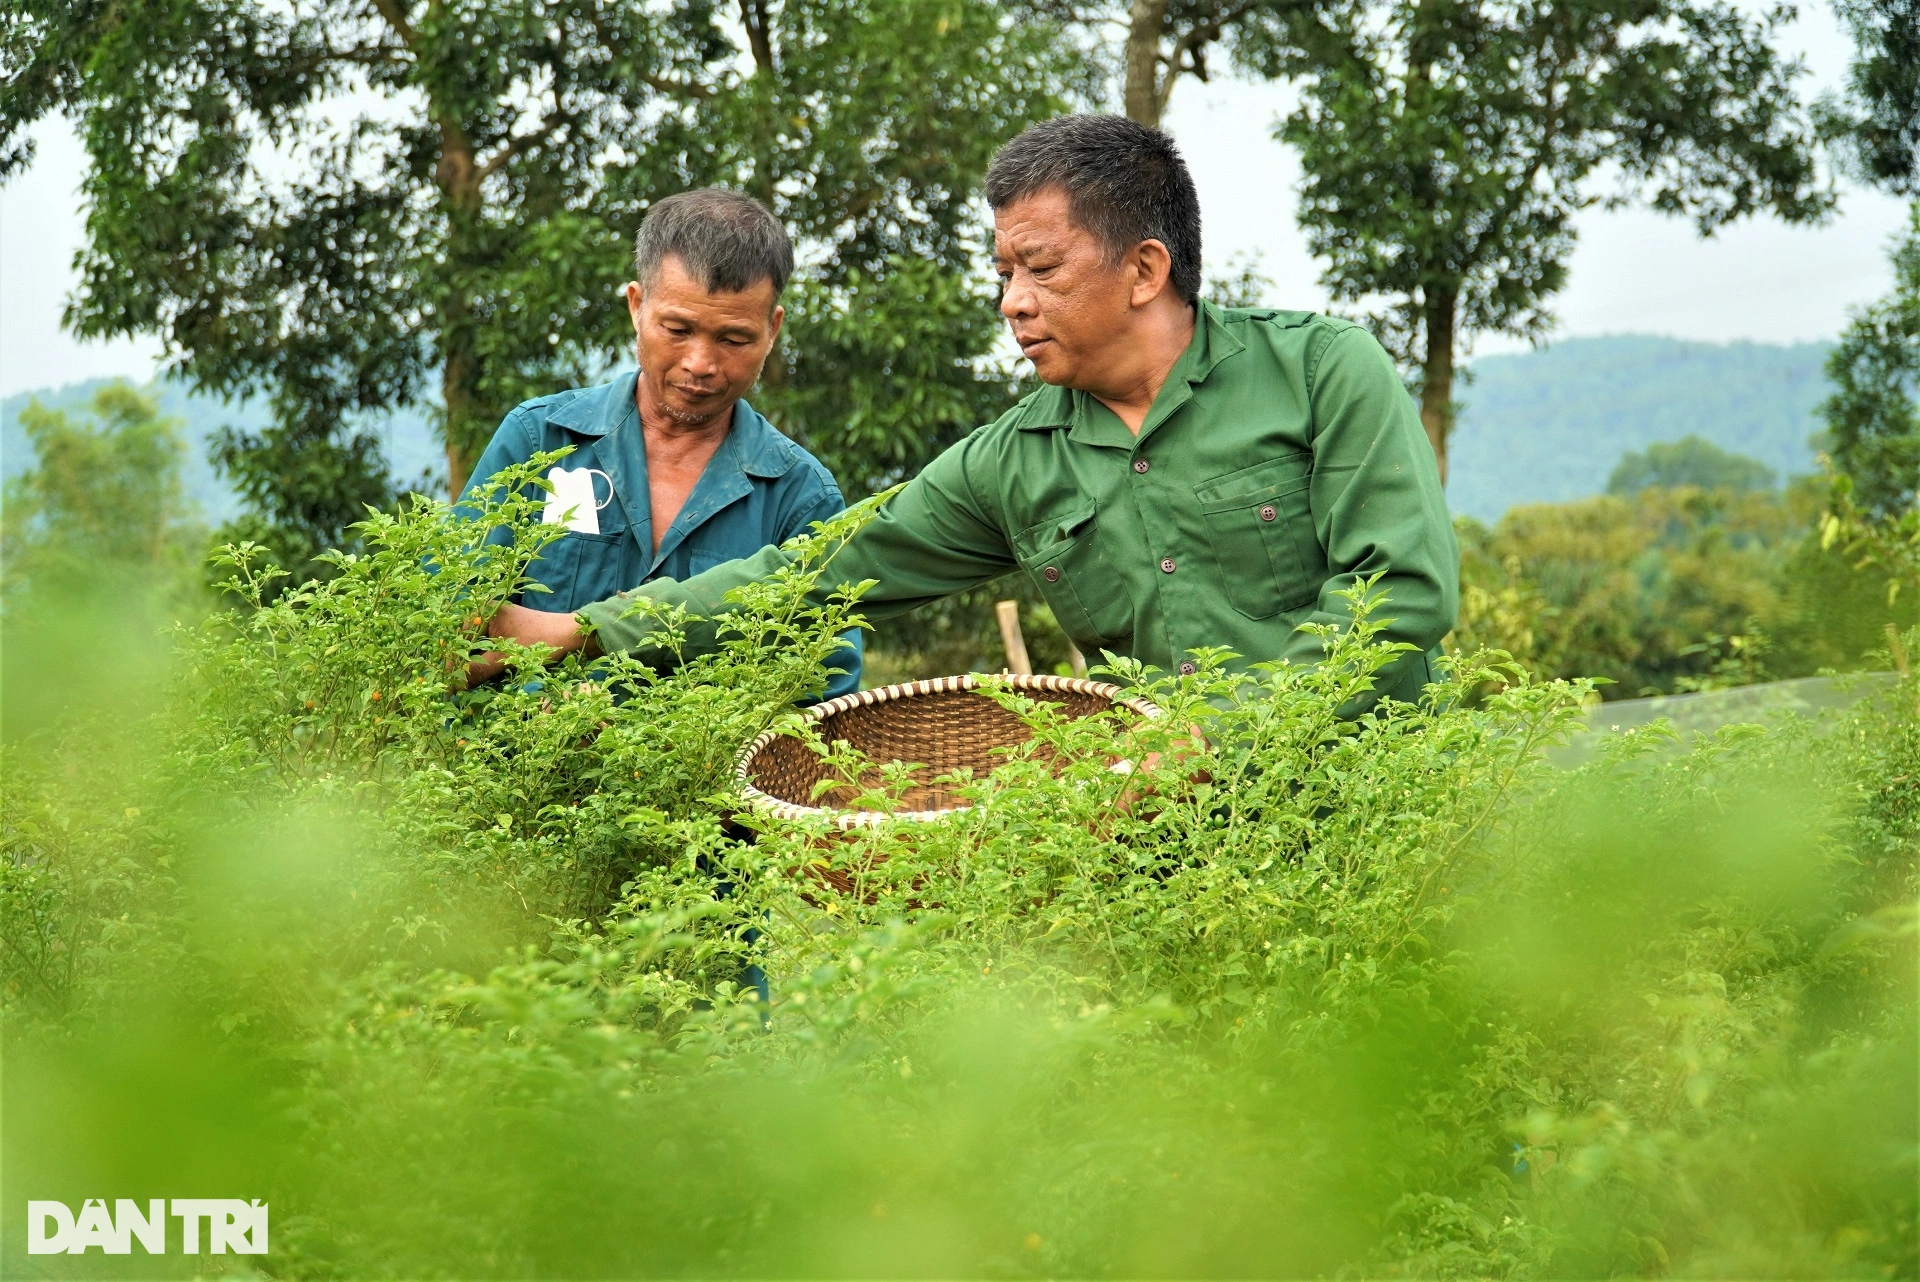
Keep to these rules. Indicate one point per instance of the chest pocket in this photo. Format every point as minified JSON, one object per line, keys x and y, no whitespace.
{"x":579,"y":569}
{"x":1260,"y":522}
{"x":1063,"y":557}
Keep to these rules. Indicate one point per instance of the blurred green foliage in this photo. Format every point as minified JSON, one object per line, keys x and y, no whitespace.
{"x":453,"y":979}
{"x":1876,"y":118}
{"x":103,"y":499}
{"x":1666,"y":589}
{"x":96,"y":536}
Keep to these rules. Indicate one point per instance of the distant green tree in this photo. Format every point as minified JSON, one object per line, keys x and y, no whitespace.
{"x":1876,"y":119}
{"x":99,"y":552}
{"x":1873,"y":417}
{"x":1690,"y":461}
{"x":1243,"y":283}
{"x":302,"y":487}
{"x":1873,"y":420}
{"x":1659,"y":590}
{"x":1448,"y":145}
{"x":101,"y":508}
{"x":331,"y":203}
{"x":352,"y":207}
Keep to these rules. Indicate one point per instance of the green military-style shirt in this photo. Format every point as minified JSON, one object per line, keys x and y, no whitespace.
{"x":1281,"y":459}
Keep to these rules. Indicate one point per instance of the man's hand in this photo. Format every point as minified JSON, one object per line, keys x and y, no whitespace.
{"x":528,"y":627}
{"x":1178,"y":755}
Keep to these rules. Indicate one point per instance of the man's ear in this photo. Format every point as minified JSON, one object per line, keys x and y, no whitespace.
{"x":779,"y":316}
{"x":635,"y":295}
{"x":1153,"y":272}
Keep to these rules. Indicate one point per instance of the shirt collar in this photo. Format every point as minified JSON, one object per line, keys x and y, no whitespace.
{"x":1212,"y":343}
{"x":1046,"y":407}
{"x":751,"y":448}
{"x":760,"y":449}
{"x":599,"y":411}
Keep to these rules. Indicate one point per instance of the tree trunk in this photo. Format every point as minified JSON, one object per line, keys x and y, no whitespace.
{"x":456,"y":390}
{"x":753,"y":14}
{"x":759,"y":24}
{"x":1146,"y":23}
{"x":1436,"y":370}
{"x":458,"y":176}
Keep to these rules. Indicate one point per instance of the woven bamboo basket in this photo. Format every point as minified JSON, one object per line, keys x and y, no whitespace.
{"x":944,"y":725}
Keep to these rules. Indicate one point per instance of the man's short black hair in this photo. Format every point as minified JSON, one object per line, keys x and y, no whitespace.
{"x":1124,"y":182}
{"x":726,"y":240}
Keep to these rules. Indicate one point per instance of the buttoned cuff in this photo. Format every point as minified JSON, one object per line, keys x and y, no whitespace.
{"x":619,"y":632}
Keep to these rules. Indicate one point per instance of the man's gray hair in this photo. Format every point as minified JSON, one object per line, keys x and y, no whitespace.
{"x":726,"y":240}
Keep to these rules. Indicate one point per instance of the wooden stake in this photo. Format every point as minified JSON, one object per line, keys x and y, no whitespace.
{"x":1008,"y":613}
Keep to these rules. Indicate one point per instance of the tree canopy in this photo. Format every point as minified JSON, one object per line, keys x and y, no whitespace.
{"x":867,"y":126}
{"x":353,"y":207}
{"x":1448,"y":145}
{"x":1873,"y":416}
{"x":1876,"y":119}
{"x":101,"y":490}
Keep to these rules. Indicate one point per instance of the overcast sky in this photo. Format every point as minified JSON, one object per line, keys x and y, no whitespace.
{"x":1634,"y":272}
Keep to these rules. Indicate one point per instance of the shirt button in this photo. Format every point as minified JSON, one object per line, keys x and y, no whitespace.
{"x":1187,"y":669}
{"x":1166,"y":565}
{"x":1051,"y":574}
{"x":1267,"y":513}
{"x":1141,"y":465}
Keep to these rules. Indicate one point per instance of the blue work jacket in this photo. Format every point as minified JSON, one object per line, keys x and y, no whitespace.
{"x":759,"y":488}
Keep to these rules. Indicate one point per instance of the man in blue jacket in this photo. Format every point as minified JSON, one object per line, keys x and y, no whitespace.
{"x":672,"y":472}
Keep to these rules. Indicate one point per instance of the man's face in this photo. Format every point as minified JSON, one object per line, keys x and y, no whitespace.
{"x":700,"y":351}
{"x":1067,"y":305}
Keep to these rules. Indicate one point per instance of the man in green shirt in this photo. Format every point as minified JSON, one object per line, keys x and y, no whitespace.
{"x":1191,"y":476}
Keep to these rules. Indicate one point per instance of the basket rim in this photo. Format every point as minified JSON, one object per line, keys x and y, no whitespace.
{"x":850,"y":819}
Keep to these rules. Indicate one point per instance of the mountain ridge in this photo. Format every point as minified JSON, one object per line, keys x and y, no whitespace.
{"x":1549,"y":425}
{"x":1544,"y":426}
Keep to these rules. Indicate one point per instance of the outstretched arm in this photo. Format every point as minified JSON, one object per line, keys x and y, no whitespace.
{"x":529,"y":627}
{"x":932,"y":539}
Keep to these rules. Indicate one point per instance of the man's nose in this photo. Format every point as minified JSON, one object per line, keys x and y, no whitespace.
{"x":1016,"y":297}
{"x":700,"y":359}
